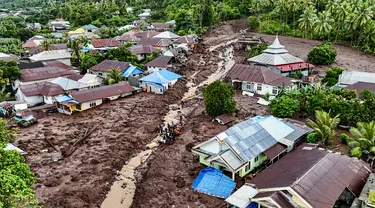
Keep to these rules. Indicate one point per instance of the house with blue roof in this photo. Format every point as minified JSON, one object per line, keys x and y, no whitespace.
{"x":159,"y":81}
{"x":246,"y":145}
{"x":132,"y":75}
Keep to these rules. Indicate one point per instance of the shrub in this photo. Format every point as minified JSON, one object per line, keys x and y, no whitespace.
{"x":345,"y":139}
{"x":267,"y":96}
{"x":273,"y":27}
{"x":296,"y":75}
{"x":218,"y":99}
{"x":356,"y":152}
{"x":284,"y":106}
{"x":253,"y":23}
{"x":322,"y":54}
{"x":371,"y":197}
{"x":256,"y":50}
{"x":312,"y":138}
{"x":332,"y":76}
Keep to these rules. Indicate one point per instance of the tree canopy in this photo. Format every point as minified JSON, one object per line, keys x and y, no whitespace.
{"x":218,"y":99}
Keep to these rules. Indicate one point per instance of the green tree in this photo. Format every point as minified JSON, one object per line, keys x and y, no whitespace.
{"x":322,"y":54}
{"x":324,"y":126}
{"x":218,"y":99}
{"x":323,"y":24}
{"x":76,"y":50}
{"x":16,"y":177}
{"x":307,"y":20}
{"x":284,"y":106}
{"x":257,"y":50}
{"x":9,"y":71}
{"x":332,"y":76}
{"x":121,"y":54}
{"x":89,"y":60}
{"x":113,"y":76}
{"x":364,"y":136}
{"x":253,"y":23}
{"x":46,"y":45}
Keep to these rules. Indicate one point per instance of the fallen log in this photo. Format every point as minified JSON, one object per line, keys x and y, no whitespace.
{"x":50,"y":143}
{"x":131,"y":111}
{"x":85,"y":136}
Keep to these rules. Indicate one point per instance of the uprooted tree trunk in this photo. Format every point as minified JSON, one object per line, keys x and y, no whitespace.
{"x":71,"y":150}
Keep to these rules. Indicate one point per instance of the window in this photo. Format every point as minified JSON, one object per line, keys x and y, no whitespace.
{"x":250,"y":86}
{"x":100,"y":73}
{"x":161,"y":90}
{"x":248,"y":166}
{"x":259,"y":87}
{"x":92,"y":104}
{"x":274,"y":90}
{"x":256,"y":159}
{"x":78,"y":106}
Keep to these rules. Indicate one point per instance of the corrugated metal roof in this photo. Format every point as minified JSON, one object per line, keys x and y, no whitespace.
{"x":241,"y":197}
{"x":275,"y":150}
{"x":275,"y":59}
{"x":258,"y":74}
{"x":68,"y":84}
{"x":161,"y":62}
{"x":44,"y":88}
{"x":51,"y":55}
{"x":33,"y":74}
{"x":106,"y":65}
{"x":184,"y":39}
{"x":167,"y":35}
{"x":231,"y":159}
{"x":100,"y":43}
{"x":143,"y":49}
{"x":147,"y":34}
{"x":317,"y":175}
{"x":102,"y":92}
{"x":351,"y":77}
{"x":360,"y":86}
{"x":279,"y":198}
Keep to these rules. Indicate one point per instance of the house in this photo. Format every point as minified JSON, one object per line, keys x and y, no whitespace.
{"x":352,"y":77}
{"x":145,"y":14}
{"x":91,"y":80}
{"x":146,"y":34}
{"x":363,"y":200}
{"x":161,"y":27}
{"x":90,"y":28}
{"x":277,"y":58}
{"x":34,"y":26}
{"x":167,"y":35}
{"x":360,"y":86}
{"x":187,"y":42}
{"x":128,"y":38}
{"x":85,"y":99}
{"x":241,"y":197}
{"x":38,"y":93}
{"x":103,"y":44}
{"x":159,"y":63}
{"x":62,"y":56}
{"x":133,"y":32}
{"x":246,"y":145}
{"x":8,"y":57}
{"x":138,"y":23}
{"x":132,"y":75}
{"x":69,"y":85}
{"x":39,"y":49}
{"x":59,"y":24}
{"x":162,"y":44}
{"x":40,"y":74}
{"x":310,"y":177}
{"x":103,"y":67}
{"x":142,"y":51}
{"x":171,"y":23}
{"x":159,"y":81}
{"x":258,"y":79}
{"x":33,"y":42}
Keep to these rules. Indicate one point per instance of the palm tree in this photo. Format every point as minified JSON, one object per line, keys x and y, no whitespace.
{"x":365,"y":136}
{"x":364,"y":14}
{"x":323,"y":25}
{"x":307,"y":20}
{"x":113,"y":76}
{"x":46,"y":45}
{"x":76,"y":48}
{"x":324,"y":126}
{"x":341,"y":14}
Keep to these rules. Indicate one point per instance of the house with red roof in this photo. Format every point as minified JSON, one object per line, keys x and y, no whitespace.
{"x":258,"y":79}
{"x":103,"y":44}
{"x":44,"y":92}
{"x":103,"y":67}
{"x":277,"y":58}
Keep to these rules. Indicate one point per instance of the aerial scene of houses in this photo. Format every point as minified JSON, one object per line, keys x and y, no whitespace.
{"x":240,"y":104}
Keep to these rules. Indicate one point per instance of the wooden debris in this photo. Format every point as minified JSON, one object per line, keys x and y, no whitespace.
{"x":85,"y":136}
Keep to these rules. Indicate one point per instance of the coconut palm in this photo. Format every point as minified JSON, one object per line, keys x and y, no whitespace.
{"x":324,"y":126}
{"x":364,"y":135}
{"x":323,"y":25}
{"x":307,"y":20}
{"x":113,"y":76}
{"x":46,"y":45}
{"x":341,"y":14}
{"x":364,"y":14}
{"x":76,"y":48}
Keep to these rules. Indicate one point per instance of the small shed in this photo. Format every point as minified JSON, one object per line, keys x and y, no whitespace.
{"x":225,"y":119}
{"x":159,"y":81}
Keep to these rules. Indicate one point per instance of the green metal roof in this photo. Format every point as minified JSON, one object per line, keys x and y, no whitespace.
{"x":89,"y":27}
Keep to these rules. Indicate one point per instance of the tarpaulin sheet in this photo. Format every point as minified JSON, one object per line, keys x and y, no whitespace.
{"x":213,"y":182}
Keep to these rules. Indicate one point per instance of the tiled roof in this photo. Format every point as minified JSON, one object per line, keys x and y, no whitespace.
{"x":143,"y":49}
{"x":161,"y":62}
{"x":316,"y":175}
{"x":42,"y":73}
{"x":258,"y":74}
{"x":105,"y":65}
{"x":44,"y":88}
{"x":360,"y":86}
{"x":102,"y":92}
{"x":100,"y":43}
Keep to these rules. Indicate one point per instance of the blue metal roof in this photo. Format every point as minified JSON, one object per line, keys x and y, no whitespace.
{"x":65,"y":98}
{"x":131,"y":70}
{"x":161,"y":77}
{"x":213,"y":182}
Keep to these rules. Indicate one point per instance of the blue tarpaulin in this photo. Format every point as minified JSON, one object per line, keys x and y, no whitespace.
{"x":131,"y":70}
{"x":64,"y":99}
{"x":252,"y":205}
{"x":213,"y":182}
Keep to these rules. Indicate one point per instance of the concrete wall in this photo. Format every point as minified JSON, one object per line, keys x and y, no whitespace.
{"x":30,"y":100}
{"x":153,"y":69}
{"x":100,"y":74}
{"x":261,"y":158}
{"x":157,"y":89}
{"x":86,"y":105}
{"x":18,"y":83}
{"x":264,"y":90}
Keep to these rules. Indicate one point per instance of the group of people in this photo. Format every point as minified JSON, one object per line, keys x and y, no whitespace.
{"x":168,"y":133}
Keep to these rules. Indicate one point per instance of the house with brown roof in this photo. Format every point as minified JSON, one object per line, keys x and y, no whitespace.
{"x":128,"y":38}
{"x":258,"y":79}
{"x":103,"y":67}
{"x":38,"y":93}
{"x":162,"y":44}
{"x":159,"y":63}
{"x":360,"y":86}
{"x":187,"y":42}
{"x":310,"y":177}
{"x":147,"y":34}
{"x":41,"y":74}
{"x":103,"y":44}
{"x":142,"y":51}
{"x":158,"y":26}
{"x":79,"y":101}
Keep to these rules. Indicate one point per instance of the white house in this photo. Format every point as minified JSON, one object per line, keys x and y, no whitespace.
{"x":91,"y":80}
{"x":258,"y":79}
{"x":161,"y":62}
{"x":34,"y":94}
{"x":68,"y":84}
{"x":352,"y":77}
{"x":59,"y":24}
{"x":62,"y":56}
{"x":159,"y":81}
{"x":142,"y":51}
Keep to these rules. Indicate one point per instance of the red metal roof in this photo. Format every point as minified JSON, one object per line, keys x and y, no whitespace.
{"x":105,"y":65}
{"x":44,"y":88}
{"x":294,"y":67}
{"x":100,"y":43}
{"x":316,"y":175}
{"x":275,"y":150}
{"x":56,"y":64}
{"x":42,"y":73}
{"x":161,"y":62}
{"x":102,"y":92}
{"x":147,"y":34}
{"x":29,"y":44}
{"x":258,"y":74}
{"x":75,"y":76}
